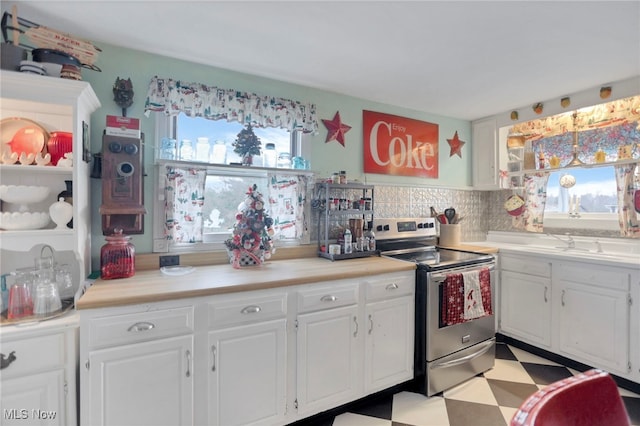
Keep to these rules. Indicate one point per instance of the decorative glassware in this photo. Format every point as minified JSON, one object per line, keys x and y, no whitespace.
{"x":61,"y":213}
{"x":117,"y":257}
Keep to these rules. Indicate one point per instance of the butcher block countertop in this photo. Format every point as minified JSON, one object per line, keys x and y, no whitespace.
{"x":154,"y":286}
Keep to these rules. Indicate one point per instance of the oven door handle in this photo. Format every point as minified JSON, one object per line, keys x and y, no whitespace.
{"x":454,"y":362}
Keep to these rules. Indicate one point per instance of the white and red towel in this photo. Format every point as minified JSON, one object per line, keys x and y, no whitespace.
{"x":466,"y":296}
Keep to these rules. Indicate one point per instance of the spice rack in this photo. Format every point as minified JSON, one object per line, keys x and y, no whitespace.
{"x":334,"y":217}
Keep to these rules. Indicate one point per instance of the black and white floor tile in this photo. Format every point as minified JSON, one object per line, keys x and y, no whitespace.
{"x":489,"y":399}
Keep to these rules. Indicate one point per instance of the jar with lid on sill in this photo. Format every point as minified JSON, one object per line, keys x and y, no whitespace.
{"x":117,"y":256}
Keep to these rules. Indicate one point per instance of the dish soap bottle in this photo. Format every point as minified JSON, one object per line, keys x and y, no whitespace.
{"x":348,"y":248}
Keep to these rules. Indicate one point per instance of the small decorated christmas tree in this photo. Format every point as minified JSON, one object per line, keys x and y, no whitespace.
{"x":247,"y":145}
{"x":250,"y":243}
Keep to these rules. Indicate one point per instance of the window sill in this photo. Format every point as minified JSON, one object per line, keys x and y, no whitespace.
{"x":232,"y":169}
{"x":608,"y":222}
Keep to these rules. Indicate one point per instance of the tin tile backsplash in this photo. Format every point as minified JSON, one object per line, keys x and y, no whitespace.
{"x":481,"y":211}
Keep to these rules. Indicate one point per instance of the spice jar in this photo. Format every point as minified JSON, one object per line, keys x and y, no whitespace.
{"x":117,"y":257}
{"x":343,"y":177}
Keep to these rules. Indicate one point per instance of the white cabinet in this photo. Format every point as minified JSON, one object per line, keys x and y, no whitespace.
{"x":137,"y":365}
{"x":246,"y":359}
{"x":149,"y":383}
{"x":39,"y":384}
{"x":584,"y":311}
{"x":485,"y":154}
{"x":62,"y":105}
{"x":594,"y":311}
{"x":525,"y":299}
{"x":328,"y":346}
{"x":389,"y":339}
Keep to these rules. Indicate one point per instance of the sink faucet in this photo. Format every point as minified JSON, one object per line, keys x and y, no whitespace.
{"x":598,"y":246}
{"x":571,"y":244}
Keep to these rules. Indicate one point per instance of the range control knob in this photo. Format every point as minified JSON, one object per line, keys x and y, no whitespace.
{"x":430,"y":225}
{"x":379,"y":228}
{"x":386,"y":227}
{"x":421,"y":225}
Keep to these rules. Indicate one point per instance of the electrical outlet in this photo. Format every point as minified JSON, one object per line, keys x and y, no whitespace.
{"x":169,"y":260}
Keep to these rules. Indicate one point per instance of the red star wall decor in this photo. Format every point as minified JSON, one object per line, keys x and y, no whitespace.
{"x":456,"y":145}
{"x":336,"y":129}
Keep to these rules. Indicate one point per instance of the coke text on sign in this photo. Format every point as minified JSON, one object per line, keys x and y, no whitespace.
{"x":399,"y":146}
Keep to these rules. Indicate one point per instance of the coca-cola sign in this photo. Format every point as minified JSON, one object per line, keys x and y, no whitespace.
{"x":399,"y":146}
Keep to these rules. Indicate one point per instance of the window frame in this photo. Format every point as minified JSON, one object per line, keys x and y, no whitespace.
{"x":165,"y":125}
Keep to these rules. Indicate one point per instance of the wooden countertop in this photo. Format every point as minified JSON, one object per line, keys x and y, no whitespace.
{"x":154,"y":286}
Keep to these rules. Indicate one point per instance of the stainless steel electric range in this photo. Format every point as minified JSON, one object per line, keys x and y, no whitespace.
{"x":452,"y":343}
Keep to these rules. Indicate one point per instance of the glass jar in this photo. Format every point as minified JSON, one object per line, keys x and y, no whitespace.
{"x":284,"y":160}
{"x":335,"y":177}
{"x":219,"y":153}
{"x":168,"y":149}
{"x":343,"y":177}
{"x":270,"y":155}
{"x":117,"y":257}
{"x":186,"y":150}
{"x":202,"y":149}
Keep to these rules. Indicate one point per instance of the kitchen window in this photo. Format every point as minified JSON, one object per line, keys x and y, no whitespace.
{"x":185,"y":221}
{"x":592,"y":202}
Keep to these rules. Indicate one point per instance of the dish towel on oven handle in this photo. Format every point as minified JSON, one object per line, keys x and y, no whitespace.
{"x":466,"y":290}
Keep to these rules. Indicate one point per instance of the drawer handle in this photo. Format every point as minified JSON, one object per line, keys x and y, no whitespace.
{"x":142,"y":326}
{"x":392,"y":286}
{"x":251,"y":309}
{"x":329,"y":298}
{"x":6,"y":361}
{"x":355,"y":333}
{"x":213,"y":358}
{"x":188,"y":354}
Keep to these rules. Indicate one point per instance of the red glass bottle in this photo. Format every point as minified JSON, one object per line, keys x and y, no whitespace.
{"x":117,"y":257}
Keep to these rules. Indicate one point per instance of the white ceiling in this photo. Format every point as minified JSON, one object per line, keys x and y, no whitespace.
{"x":462,"y":59}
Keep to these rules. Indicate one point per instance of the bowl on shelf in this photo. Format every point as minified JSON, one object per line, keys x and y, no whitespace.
{"x":23,"y":194}
{"x":12,"y":221}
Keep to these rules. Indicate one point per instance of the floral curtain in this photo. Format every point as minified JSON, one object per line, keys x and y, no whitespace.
{"x":535,"y":198}
{"x":184,"y":199}
{"x":627,"y":216}
{"x":287,"y":197}
{"x":198,"y":100}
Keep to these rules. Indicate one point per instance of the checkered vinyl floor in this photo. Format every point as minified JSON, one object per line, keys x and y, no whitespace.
{"x":489,"y":399}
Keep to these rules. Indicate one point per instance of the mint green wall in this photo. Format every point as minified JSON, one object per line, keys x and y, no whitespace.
{"x":455,"y":172}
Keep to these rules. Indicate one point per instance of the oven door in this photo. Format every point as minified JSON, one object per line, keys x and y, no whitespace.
{"x":442,"y":339}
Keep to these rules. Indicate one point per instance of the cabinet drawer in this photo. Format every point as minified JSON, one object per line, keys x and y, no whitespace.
{"x":390,"y":286}
{"x":526,"y":265}
{"x":318,"y":297}
{"x":602,"y":276}
{"x":34,"y":354}
{"x":246,"y":308}
{"x":130,"y":328}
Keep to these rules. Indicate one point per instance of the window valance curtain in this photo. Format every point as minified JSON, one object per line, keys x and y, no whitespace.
{"x":198,"y":100}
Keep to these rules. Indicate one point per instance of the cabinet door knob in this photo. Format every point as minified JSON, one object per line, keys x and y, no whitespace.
{"x":141,"y":326}
{"x":5,"y":361}
{"x":355,"y":319}
{"x":545,"y":294}
{"x":188,"y":355}
{"x":213,"y":358}
{"x":370,"y":323}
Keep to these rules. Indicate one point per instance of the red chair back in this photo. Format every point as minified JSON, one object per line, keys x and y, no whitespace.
{"x":588,"y":399}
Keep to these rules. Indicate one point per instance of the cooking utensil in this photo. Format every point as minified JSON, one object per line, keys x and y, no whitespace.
{"x":442,"y":218}
{"x":59,"y":57}
{"x":14,"y":22}
{"x":434,"y":212}
{"x":450,"y":213}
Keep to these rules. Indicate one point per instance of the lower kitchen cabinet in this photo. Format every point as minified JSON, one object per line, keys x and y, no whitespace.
{"x":389,"y":321}
{"x":148,"y":383}
{"x":328,"y":345}
{"x":38,"y":378}
{"x":525,"y":299}
{"x":594,"y":312}
{"x":246,"y":359}
{"x":585,"y":312}
{"x":137,"y":365}
{"x":263,"y":357}
{"x":327,"y":358}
